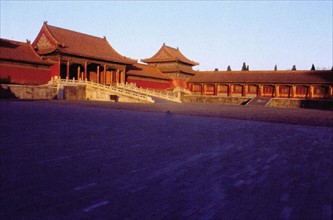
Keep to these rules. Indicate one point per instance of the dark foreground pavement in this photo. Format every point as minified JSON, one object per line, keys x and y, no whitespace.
{"x":62,"y":160}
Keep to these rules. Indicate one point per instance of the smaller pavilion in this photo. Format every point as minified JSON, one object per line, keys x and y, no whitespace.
{"x":174,"y":64}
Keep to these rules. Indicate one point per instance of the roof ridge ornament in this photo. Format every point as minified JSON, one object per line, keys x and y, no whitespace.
{"x":61,"y":44}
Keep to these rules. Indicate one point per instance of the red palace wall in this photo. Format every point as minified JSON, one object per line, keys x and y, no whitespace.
{"x":150,"y":84}
{"x":28,"y":74}
{"x":55,"y":70}
{"x":176,"y":82}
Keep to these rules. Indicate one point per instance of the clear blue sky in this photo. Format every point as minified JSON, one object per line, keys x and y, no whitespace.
{"x":214,"y":33}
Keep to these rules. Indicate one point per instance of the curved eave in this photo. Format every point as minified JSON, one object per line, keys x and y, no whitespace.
{"x":27,"y":62}
{"x":173,"y":59}
{"x":44,"y":52}
{"x":147,"y":77}
{"x":178,"y":71}
{"x":263,"y":77}
{"x":149,"y":60}
{"x":81,"y":55}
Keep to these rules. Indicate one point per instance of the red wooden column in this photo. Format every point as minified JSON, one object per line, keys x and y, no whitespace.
{"x":97,"y":74}
{"x":201,"y":88}
{"x":78,"y":72}
{"x":293,"y":91}
{"x":111,"y":77}
{"x":330,"y":91}
{"x":122,"y":76}
{"x":59,"y":70}
{"x":204,"y":89}
{"x":277,"y":92}
{"x":117,"y":76}
{"x":311,"y":92}
{"x":67,"y":70}
{"x":260,"y":90}
{"x":229,"y":89}
{"x":104,"y":74}
{"x":244,"y":90}
{"x":85,"y":70}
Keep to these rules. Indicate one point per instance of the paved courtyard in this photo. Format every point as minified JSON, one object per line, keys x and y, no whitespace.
{"x":79,"y":160}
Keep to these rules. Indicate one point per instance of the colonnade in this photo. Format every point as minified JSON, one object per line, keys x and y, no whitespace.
{"x":263,"y":90}
{"x":104,"y":74}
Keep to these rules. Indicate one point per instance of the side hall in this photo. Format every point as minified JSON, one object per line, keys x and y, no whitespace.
{"x":312,"y":84}
{"x":19,"y":63}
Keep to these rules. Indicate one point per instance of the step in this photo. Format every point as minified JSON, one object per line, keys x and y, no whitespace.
{"x":259,"y":101}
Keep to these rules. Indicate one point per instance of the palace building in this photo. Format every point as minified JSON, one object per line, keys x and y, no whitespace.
{"x":19,"y":63}
{"x":81,"y":56}
{"x":68,"y":54}
{"x":174,"y":64}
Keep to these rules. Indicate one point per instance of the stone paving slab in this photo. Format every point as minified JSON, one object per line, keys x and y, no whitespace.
{"x":65,"y":160}
{"x":254,"y":113}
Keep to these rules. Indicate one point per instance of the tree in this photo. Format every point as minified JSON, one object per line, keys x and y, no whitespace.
{"x":247,"y":68}
{"x":294,"y":67}
{"x":275,"y":67}
{"x":244,"y":67}
{"x":228,"y":68}
{"x":216,"y":69}
{"x":313,"y":67}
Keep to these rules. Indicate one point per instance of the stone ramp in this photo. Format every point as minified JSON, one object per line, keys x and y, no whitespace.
{"x":259,"y":101}
{"x":167,"y":96}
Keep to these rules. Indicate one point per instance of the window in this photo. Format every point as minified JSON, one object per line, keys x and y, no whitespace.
{"x":196,"y":88}
{"x":252,"y":89}
{"x":223,"y":89}
{"x":284,"y":90}
{"x":209,"y":89}
{"x":238,"y":89}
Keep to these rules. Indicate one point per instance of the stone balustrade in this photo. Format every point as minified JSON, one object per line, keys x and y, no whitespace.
{"x":173,"y":96}
{"x":118,"y":89}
